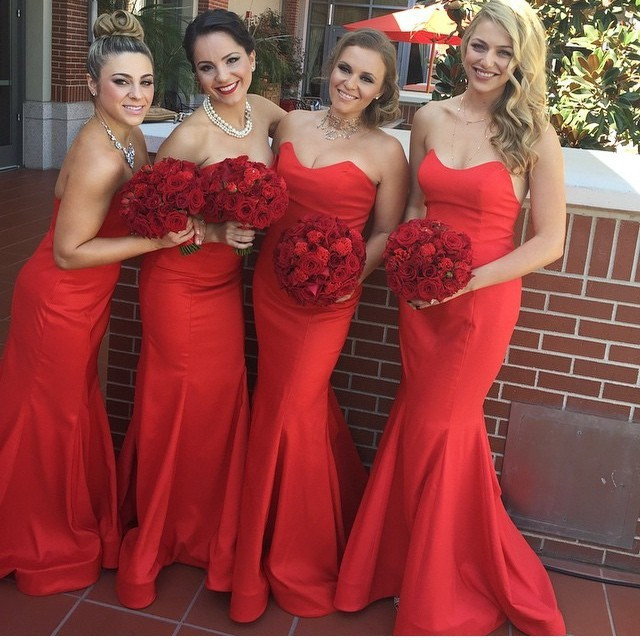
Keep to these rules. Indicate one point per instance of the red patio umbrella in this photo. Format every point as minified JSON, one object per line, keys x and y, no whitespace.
{"x":420,"y":24}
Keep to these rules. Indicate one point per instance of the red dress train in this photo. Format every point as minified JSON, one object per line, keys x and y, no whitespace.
{"x":303,"y":478}
{"x":180,"y":469}
{"x":432,"y":528}
{"x":57,"y":468}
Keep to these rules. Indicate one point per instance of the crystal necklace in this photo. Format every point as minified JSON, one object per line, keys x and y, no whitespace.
{"x":224,"y":125}
{"x":129,"y":152}
{"x":473,"y":154}
{"x":335,"y":127}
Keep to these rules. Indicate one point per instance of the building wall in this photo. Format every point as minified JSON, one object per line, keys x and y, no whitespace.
{"x":575,"y":347}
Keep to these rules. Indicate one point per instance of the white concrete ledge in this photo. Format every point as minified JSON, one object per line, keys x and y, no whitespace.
{"x":594,"y":179}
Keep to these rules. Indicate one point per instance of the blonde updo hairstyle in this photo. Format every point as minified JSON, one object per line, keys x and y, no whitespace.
{"x":115,"y":33}
{"x":520,"y":115}
{"x":386,"y":108}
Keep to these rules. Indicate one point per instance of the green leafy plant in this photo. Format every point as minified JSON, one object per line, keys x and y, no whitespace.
{"x":594,"y":69}
{"x":278,"y":53}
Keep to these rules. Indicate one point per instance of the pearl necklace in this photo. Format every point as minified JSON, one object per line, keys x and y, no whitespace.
{"x":467,"y":160}
{"x":129,"y":152}
{"x":335,"y":127}
{"x":224,"y":125}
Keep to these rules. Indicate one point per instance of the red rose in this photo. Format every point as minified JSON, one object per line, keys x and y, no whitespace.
{"x":425,"y":259}
{"x":407,"y":234}
{"x":327,"y":251}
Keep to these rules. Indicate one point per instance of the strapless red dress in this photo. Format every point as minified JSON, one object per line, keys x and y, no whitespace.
{"x":180,"y":469}
{"x":303,"y":478}
{"x":432,"y":528}
{"x":57,"y":469}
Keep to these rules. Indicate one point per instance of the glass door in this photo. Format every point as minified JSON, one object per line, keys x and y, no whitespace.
{"x":10,"y":85}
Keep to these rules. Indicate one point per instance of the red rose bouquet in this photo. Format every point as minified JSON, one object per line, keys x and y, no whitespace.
{"x":319,"y":260}
{"x":426,"y":260}
{"x":158,"y":199}
{"x":246,"y":191}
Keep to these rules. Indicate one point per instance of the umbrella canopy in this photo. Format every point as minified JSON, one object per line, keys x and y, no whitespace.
{"x":419,"y":25}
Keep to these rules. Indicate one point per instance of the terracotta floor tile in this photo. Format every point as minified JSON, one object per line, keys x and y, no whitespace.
{"x":625,"y":609}
{"x":95,"y":619}
{"x":187,"y":630}
{"x":211,"y":611}
{"x":30,"y":615}
{"x":23,"y":230}
{"x":376,"y":620}
{"x":177,"y":585}
{"x":583,"y":605}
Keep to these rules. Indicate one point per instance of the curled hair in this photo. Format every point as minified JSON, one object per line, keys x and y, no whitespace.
{"x":386,"y":108}
{"x":217,"y":20}
{"x":115,"y":33}
{"x":521,"y":113}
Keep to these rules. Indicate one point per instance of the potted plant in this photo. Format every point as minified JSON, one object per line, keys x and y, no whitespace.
{"x":278,"y":56}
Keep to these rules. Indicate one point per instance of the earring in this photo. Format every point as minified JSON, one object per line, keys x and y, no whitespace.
{"x":253,"y":66}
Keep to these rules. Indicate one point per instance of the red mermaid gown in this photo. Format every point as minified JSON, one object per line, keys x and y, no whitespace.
{"x":180,"y":469}
{"x":432,"y":528}
{"x":57,"y":468}
{"x":303,"y":477}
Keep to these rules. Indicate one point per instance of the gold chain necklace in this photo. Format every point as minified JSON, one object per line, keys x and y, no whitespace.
{"x":484,"y":138}
{"x":335,"y":127}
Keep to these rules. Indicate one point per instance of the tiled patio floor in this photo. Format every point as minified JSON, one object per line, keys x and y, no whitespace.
{"x":184,"y":606}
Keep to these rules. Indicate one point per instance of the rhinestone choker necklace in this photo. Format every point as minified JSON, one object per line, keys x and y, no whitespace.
{"x":129,"y":152}
{"x":224,"y":125}
{"x":335,"y":127}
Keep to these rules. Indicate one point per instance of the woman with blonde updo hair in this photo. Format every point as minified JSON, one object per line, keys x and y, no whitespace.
{"x":57,"y":468}
{"x":303,"y":478}
{"x":432,"y":530}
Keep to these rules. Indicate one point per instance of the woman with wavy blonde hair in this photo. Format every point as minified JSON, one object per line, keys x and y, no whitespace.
{"x":57,"y":467}
{"x":432,"y":529}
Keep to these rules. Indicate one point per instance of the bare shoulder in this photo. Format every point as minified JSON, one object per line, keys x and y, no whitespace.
{"x":265,"y":110}
{"x":262,"y":104}
{"x":548,"y":142}
{"x":295,"y":121}
{"x":185,"y":141}
{"x":387,"y":144}
{"x":91,"y":170}
{"x":432,"y":112}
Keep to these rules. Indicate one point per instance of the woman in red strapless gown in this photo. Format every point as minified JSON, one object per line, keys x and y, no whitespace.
{"x":180,"y":469}
{"x":432,"y":528}
{"x":57,"y":468}
{"x":303,"y":478}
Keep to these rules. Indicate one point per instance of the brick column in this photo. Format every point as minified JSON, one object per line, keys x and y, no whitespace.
{"x":69,"y":48}
{"x":203,"y":5}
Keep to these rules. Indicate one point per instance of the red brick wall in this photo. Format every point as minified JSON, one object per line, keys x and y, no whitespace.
{"x":291,"y":15}
{"x":575,"y":347}
{"x":69,"y":48}
{"x":203,"y":5}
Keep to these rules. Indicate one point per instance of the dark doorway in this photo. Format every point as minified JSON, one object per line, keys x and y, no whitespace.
{"x":11,"y":18}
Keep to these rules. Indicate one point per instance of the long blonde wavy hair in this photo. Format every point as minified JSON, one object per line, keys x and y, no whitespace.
{"x":520,"y":115}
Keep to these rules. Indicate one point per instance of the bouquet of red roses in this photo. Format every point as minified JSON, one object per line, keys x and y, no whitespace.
{"x":158,"y":199}
{"x":319,"y":260}
{"x":243,"y":190}
{"x":426,"y":260}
